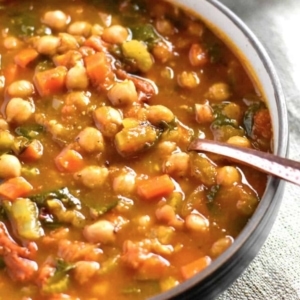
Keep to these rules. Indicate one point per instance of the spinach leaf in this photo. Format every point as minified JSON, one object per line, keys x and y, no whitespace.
{"x":62,"y":194}
{"x":249,"y":116}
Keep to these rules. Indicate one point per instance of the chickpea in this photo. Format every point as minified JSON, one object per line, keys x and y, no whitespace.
{"x":79,"y":99}
{"x":166,"y":147}
{"x":100,"y":232}
{"x":219,"y":92}
{"x":197,"y":223}
{"x":167,"y":215}
{"x":90,"y":140}
{"x":162,"y":52}
{"x":20,"y":88}
{"x":97,"y":29}
{"x":80,"y":28}
{"x":77,"y":78}
{"x":232,"y":111}
{"x":164,"y":27}
{"x":123,"y":93}
{"x":19,"y":110}
{"x":10,"y":166}
{"x":221,"y":245}
{"x":198,"y":56}
{"x":124,"y":183}
{"x":67,"y":42}
{"x":85,"y":270}
{"x":188,"y":80}
{"x":108,"y":120}
{"x":239,"y":141}
{"x":115,"y":34}
{"x":47,"y":44}
{"x":228,"y":176}
{"x":204,"y":113}
{"x":156,"y":114}
{"x":177,"y":164}
{"x":56,"y":20}
{"x":11,"y":43}
{"x":6,"y":140}
{"x":92,"y":176}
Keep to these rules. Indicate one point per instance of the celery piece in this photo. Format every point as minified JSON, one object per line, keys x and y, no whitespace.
{"x":138,"y":51}
{"x":132,"y":141}
{"x":23,"y":214}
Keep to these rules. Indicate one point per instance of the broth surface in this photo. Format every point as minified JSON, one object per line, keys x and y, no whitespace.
{"x":99,"y":102}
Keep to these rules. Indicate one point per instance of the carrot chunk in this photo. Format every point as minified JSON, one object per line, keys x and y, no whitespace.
{"x":14,"y":188}
{"x":25,"y":56}
{"x":191,"y":269}
{"x":10,"y":73}
{"x":98,"y":68}
{"x":155,"y":187}
{"x":69,"y":160}
{"x":33,"y":152}
{"x":51,"y":81}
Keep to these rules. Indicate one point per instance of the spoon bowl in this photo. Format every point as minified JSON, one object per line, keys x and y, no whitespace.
{"x":275,"y":165}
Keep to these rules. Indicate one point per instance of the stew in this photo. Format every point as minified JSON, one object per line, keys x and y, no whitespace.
{"x":99,"y":198}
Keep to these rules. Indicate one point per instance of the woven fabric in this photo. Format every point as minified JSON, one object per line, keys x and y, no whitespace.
{"x":275,"y":272}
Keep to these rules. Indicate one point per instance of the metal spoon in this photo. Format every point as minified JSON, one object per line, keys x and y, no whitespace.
{"x":283,"y":168}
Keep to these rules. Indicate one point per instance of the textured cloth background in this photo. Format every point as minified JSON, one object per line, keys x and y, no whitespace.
{"x":275,"y":272}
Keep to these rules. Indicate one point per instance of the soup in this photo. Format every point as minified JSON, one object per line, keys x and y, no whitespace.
{"x":99,"y":101}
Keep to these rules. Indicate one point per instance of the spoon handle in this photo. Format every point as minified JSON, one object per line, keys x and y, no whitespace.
{"x":271,"y":164}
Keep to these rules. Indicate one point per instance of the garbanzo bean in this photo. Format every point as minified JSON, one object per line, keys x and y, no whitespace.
{"x":219,"y":92}
{"x":11,"y":43}
{"x":20,"y":88}
{"x":228,"y":175}
{"x":77,"y":78}
{"x":92,"y":176}
{"x":47,"y":44}
{"x":239,"y":141}
{"x":56,"y":19}
{"x":221,"y":245}
{"x":80,"y":28}
{"x":19,"y":110}
{"x":123,"y":93}
{"x":177,"y":164}
{"x":124,"y":183}
{"x":204,"y":113}
{"x":108,"y":120}
{"x":100,"y":232}
{"x":90,"y":140}
{"x":156,"y":114}
{"x":188,"y":80}
{"x":197,"y":223}
{"x":10,"y":166}
{"x":115,"y":34}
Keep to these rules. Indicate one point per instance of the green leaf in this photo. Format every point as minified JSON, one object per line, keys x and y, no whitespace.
{"x":29,"y":131}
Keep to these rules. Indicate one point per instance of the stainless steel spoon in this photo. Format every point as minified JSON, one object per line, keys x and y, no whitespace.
{"x":283,"y":168}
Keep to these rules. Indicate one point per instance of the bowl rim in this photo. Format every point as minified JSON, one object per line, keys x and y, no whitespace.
{"x":274,"y":184}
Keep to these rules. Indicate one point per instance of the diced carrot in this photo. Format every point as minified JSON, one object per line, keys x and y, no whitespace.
{"x":69,"y":160}
{"x":51,"y":81}
{"x":14,"y":188}
{"x":96,"y":43}
{"x":98,"y":68}
{"x":10,"y":73}
{"x":33,"y":151}
{"x":25,"y":56}
{"x":195,"y":267}
{"x":155,"y":187}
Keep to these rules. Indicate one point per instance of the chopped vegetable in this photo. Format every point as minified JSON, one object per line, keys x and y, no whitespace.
{"x":29,"y":131}
{"x":14,"y":188}
{"x":23,"y":214}
{"x":51,"y":81}
{"x":138,"y":51}
{"x":145,"y":33}
{"x":98,"y":68}
{"x":155,"y":187}
{"x":25,"y":57}
{"x":195,"y":267}
{"x":62,"y":194}
{"x":131,"y":141}
{"x":69,"y":160}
